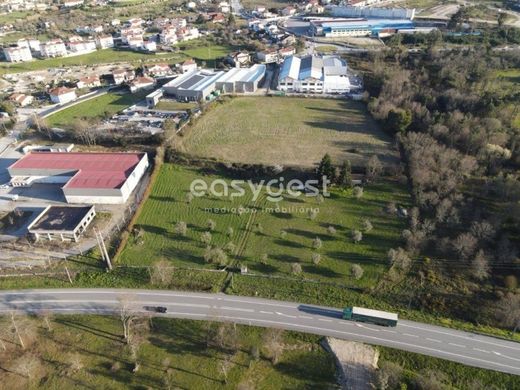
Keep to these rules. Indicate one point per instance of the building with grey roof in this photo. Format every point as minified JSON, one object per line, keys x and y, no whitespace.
{"x":314,"y":74}
{"x":194,"y":85}
{"x":241,"y":80}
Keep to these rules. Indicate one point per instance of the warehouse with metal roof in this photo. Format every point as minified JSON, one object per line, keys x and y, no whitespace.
{"x":194,"y":85}
{"x":241,"y":80}
{"x":314,"y":74}
{"x":107,"y":178}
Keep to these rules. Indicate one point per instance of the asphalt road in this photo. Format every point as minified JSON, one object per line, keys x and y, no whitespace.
{"x":463,"y":347}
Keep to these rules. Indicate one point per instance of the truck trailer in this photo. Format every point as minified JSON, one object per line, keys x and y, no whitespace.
{"x":376,"y":317}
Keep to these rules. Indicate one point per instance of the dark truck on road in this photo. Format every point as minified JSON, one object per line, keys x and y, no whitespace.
{"x":376,"y":317}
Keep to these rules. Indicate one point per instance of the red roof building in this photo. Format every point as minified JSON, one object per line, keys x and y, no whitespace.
{"x":87,"y":177}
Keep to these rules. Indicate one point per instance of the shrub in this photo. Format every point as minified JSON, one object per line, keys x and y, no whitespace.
{"x":357,"y":191}
{"x":356,"y":271}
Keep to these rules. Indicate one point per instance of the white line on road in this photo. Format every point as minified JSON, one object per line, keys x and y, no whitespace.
{"x":434,"y":340}
{"x":409,"y":335}
{"x":457,"y":345}
{"x":285,"y":315}
{"x":481,"y":350}
{"x":266,"y":312}
{"x":324,"y":319}
{"x":306,"y":317}
{"x":236,"y":309}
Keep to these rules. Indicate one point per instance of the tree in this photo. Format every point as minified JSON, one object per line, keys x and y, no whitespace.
{"x":374,"y":167}
{"x":398,"y":120}
{"x":205,"y":238}
{"x":84,"y":132}
{"x":316,"y":258}
{"x":230,"y":247}
{"x":316,"y":243}
{"x":502,"y":17}
{"x":272,"y":343}
{"x":229,"y":232}
{"x":211,"y":225}
{"x":331,"y":230}
{"x":296,"y":268}
{"x":283,"y":234}
{"x":189,"y":197}
{"x":480,"y":266}
{"x":366,"y":225}
{"x":161,"y":273}
{"x":75,"y":362}
{"x":465,"y":245}
{"x":216,"y":256}
{"x":8,"y":107}
{"x":357,"y":191}
{"x":508,"y":311}
{"x":136,"y":338}
{"x":126,"y":313}
{"x":399,"y":258}
{"x":356,"y":271}
{"x":181,"y":228}
{"x":313,"y":213}
{"x":326,"y":170}
{"x":357,"y":236}
{"x":345,"y":175}
{"x":225,"y":366}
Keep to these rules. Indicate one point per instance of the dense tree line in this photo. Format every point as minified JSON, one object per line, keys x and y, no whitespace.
{"x":457,"y":126}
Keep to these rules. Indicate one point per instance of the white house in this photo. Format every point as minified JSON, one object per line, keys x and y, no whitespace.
{"x":21,"y":99}
{"x":158,"y":70}
{"x":53,"y":48}
{"x":89,"y":82}
{"x":104,"y":41}
{"x":17,"y":54}
{"x":149,"y":45}
{"x":168,"y":35}
{"x":268,"y":56}
{"x":80,"y":46}
{"x":188,"y":66}
{"x":141,"y":83}
{"x":122,"y":75}
{"x":62,"y":95}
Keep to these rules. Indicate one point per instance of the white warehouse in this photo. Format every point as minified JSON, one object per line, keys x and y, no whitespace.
{"x":314,"y":74}
{"x":241,"y":80}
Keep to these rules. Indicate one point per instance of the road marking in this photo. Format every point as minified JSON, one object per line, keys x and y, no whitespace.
{"x":266,"y":312}
{"x":236,"y":309}
{"x":364,"y":327}
{"x":285,"y":315}
{"x":306,"y":317}
{"x":324,"y":319}
{"x":481,"y":350}
{"x":434,"y":340}
{"x":409,"y":335}
{"x":457,"y":345}
{"x":388,"y":331}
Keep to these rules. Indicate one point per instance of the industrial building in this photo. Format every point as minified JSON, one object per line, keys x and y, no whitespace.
{"x":194,"y":85}
{"x":360,"y":11}
{"x":358,"y":27}
{"x":314,"y":74}
{"x":92,"y":178}
{"x":64,"y":223}
{"x":241,"y":80}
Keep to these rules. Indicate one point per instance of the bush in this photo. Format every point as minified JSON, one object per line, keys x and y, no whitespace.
{"x":296,"y":268}
{"x":357,"y":191}
{"x":356,"y":271}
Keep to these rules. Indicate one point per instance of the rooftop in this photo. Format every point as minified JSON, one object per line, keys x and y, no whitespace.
{"x":88,"y":170}
{"x":60,"y":218}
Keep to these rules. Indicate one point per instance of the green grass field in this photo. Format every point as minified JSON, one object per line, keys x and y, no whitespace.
{"x":88,"y":352}
{"x":287,"y":131}
{"x":107,"y":104}
{"x":167,"y":206}
{"x":98,"y":57}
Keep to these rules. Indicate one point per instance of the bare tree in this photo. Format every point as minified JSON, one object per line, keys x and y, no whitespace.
{"x":465,"y":245}
{"x":399,"y":258}
{"x":126,"y":313}
{"x":30,"y":366}
{"x":224,"y":367}
{"x":211,"y":225}
{"x":296,"y":268}
{"x":161,"y":273}
{"x":331,"y":230}
{"x":316,"y":243}
{"x":508,"y":311}
{"x":189,"y":197}
{"x":75,"y":362}
{"x":46,"y":316}
{"x":181,"y":228}
{"x":374,"y":167}
{"x":205,"y":238}
{"x":357,"y":191}
{"x":480,"y":266}
{"x":316,"y":258}
{"x":366,"y":225}
{"x":169,"y":376}
{"x":229,"y":232}
{"x":137,"y":336}
{"x":356,"y":271}
{"x":357,"y":236}
{"x":273,"y":344}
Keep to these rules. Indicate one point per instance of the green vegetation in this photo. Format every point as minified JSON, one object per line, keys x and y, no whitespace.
{"x":207,"y":52}
{"x":98,"y":57}
{"x":326,"y":49}
{"x":12,"y":17}
{"x":258,"y":236}
{"x":287,"y":131}
{"x":410,"y":370}
{"x":91,"y":352}
{"x":173,"y":105}
{"x":100,"y":107}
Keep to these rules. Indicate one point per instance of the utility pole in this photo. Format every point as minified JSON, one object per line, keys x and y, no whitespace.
{"x":103,"y":249}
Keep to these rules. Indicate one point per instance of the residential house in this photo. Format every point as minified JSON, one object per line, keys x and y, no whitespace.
{"x":188,"y":66}
{"x":122,"y":75}
{"x":88,"y":82}
{"x":79,"y":46}
{"x":268,"y":56}
{"x":187,"y":33}
{"x":217,"y":17}
{"x":141,"y":83}
{"x":149,"y":45}
{"x":158,"y":70}
{"x":17,"y":54}
{"x":168,"y":35}
{"x":104,"y":41}
{"x":288,"y":11}
{"x":32,"y":44}
{"x":21,"y":99}
{"x":62,"y":95}
{"x":53,"y":48}
{"x":71,"y":3}
{"x":135,"y":41}
{"x":224,"y":7}
{"x":239,"y":59}
{"x":286,"y":52}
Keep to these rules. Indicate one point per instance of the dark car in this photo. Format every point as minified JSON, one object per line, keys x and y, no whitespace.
{"x":157,"y":309}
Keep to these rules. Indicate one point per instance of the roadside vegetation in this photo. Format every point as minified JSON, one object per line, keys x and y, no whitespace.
{"x":118,"y":352}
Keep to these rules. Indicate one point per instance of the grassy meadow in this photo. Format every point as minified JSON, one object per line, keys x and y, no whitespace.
{"x":257,"y":236}
{"x":287,"y":131}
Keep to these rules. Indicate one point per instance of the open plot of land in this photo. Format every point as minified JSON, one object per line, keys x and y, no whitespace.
{"x":88,"y":352}
{"x":103,"y":106}
{"x":97,"y":57}
{"x":288,"y":131}
{"x":259,"y":233}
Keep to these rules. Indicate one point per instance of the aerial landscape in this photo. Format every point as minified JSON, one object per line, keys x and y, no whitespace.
{"x":260,"y":194}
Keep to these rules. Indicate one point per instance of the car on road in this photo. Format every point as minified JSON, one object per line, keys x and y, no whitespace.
{"x":377,"y":317}
{"x":157,"y":309}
